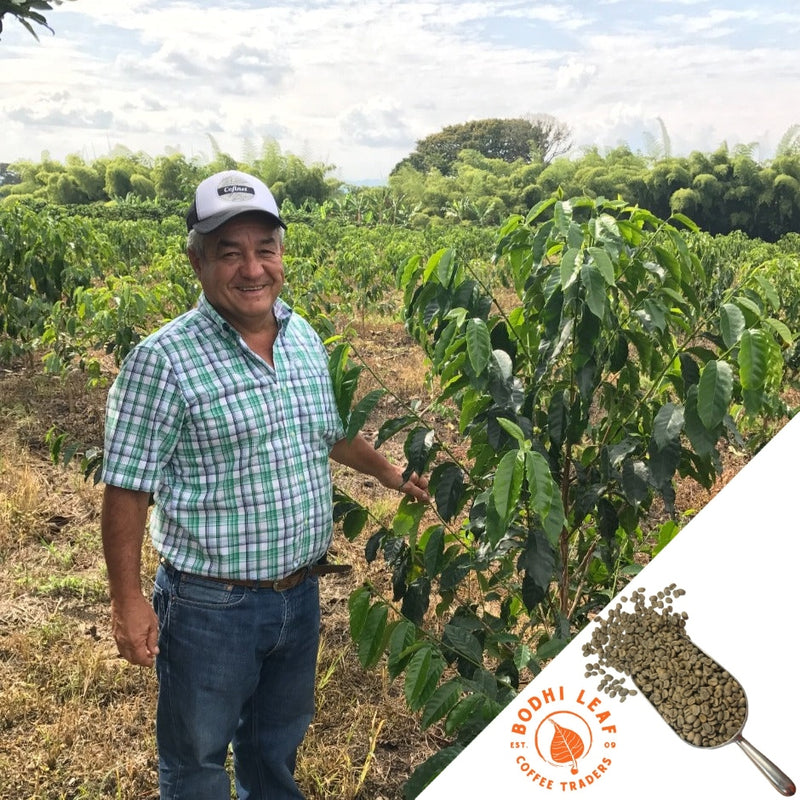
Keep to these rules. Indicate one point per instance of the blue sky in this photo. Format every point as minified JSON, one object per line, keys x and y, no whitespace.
{"x":355,"y":83}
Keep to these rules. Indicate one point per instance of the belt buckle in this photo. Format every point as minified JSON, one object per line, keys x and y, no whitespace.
{"x":290,"y":581}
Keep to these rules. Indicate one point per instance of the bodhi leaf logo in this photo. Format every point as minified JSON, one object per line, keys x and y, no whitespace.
{"x":563,"y":738}
{"x":566,"y":747}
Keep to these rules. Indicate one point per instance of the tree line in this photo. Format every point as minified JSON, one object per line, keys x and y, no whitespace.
{"x":478,"y":172}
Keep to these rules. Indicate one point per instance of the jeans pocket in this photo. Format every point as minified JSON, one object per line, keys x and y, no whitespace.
{"x":197,"y":591}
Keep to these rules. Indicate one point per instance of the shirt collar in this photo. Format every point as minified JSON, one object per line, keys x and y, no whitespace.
{"x":282,"y":311}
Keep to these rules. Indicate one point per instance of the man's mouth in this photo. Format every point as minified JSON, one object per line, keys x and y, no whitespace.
{"x":251,"y":288}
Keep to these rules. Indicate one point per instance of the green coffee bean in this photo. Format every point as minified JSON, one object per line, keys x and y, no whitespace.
{"x":699,"y":699}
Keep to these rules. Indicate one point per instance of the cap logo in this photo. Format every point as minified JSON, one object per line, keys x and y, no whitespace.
{"x":237,"y":192}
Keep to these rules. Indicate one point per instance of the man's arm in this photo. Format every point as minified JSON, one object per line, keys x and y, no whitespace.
{"x":133,"y":620}
{"x":359,"y":454}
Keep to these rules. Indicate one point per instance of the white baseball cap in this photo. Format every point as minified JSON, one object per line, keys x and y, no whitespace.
{"x":226,"y":195}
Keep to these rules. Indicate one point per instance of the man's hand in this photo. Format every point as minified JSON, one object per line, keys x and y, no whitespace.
{"x":133,"y":621}
{"x":416,"y":486}
{"x":359,"y":454}
{"x":135,"y":628}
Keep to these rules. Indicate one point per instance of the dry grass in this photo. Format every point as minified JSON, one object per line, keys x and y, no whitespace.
{"x":77,"y":721}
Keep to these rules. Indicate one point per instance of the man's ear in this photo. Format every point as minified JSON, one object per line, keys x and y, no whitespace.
{"x":194,"y":260}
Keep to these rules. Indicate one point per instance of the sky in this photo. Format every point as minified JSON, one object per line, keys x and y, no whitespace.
{"x":357,"y":83}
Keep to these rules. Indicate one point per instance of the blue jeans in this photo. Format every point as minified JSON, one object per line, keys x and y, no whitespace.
{"x":236,"y":666}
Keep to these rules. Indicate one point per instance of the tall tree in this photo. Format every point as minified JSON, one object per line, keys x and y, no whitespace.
{"x":536,"y":138}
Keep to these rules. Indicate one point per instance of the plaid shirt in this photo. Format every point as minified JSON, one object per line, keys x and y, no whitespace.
{"x":234,"y":451}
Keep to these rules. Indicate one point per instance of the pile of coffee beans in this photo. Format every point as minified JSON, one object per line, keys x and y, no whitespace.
{"x":700,"y":700}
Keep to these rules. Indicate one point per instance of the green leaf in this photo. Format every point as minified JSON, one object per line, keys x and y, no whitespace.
{"x":466,"y":710}
{"x":689,"y":223}
{"x":702,"y":439}
{"x":472,"y":403}
{"x":512,"y":429}
{"x":374,"y":636}
{"x":545,"y":495}
{"x":667,"y":261}
{"x":731,"y":323}
{"x":753,"y":359}
{"x":433,"y":555}
{"x":569,"y":269}
{"x":364,"y":407}
{"x":551,"y":648}
{"x":508,"y":483}
{"x":422,"y":675}
{"x":714,"y":393}
{"x":770,"y":293}
{"x":432,"y":267}
{"x":479,"y":344}
{"x":595,"y":287}
{"x":402,"y":645}
{"x":407,"y":517}
{"x":430,"y":769}
{"x":604,"y":264}
{"x":539,"y":562}
{"x":416,"y":600}
{"x":666,"y":533}
{"x":358,"y":605}
{"x":441,"y":702}
{"x":411,"y":271}
{"x":634,"y":480}
{"x":447,"y":486}
{"x":667,"y":425}
{"x":558,"y":418}
{"x":418,"y":448}
{"x":662,"y":463}
{"x":463,"y":643}
{"x":354,"y":523}
{"x":781,"y":329}
{"x":446,"y":268}
{"x":392,"y":427}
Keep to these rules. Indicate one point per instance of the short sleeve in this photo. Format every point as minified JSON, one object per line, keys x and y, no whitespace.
{"x":144,"y":414}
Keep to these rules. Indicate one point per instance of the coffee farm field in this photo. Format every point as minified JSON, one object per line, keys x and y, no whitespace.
{"x":577,"y":383}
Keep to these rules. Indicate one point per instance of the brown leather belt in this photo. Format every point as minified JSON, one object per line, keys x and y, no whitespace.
{"x":282,"y":584}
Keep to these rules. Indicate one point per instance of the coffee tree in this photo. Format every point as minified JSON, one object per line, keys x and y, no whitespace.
{"x":610,"y":363}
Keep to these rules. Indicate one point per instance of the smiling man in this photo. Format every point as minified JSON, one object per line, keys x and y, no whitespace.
{"x":226,"y":417}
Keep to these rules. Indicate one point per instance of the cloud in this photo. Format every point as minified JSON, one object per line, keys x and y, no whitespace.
{"x":376,"y":125}
{"x":575,"y":75}
{"x":357,"y":82}
{"x":57,"y":113}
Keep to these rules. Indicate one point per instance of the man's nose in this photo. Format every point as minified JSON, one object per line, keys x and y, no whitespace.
{"x":251,"y":264}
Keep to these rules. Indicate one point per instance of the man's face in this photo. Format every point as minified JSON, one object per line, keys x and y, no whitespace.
{"x":241,"y":271}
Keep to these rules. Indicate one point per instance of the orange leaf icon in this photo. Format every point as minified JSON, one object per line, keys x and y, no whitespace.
{"x":566,"y":747}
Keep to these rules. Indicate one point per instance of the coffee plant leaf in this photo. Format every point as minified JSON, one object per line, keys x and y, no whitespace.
{"x":441,"y":702}
{"x":479,"y":345}
{"x":422,"y":676}
{"x":448,"y":489}
{"x":753,"y":359}
{"x":714,"y":392}
{"x":731,"y":323}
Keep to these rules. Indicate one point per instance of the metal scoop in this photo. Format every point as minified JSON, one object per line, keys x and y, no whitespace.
{"x":776,"y":776}
{"x":627,"y":642}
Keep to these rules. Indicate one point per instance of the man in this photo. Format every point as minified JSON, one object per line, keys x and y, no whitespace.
{"x":226,"y":417}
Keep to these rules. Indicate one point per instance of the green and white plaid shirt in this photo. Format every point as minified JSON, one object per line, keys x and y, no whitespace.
{"x":234,"y":451}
